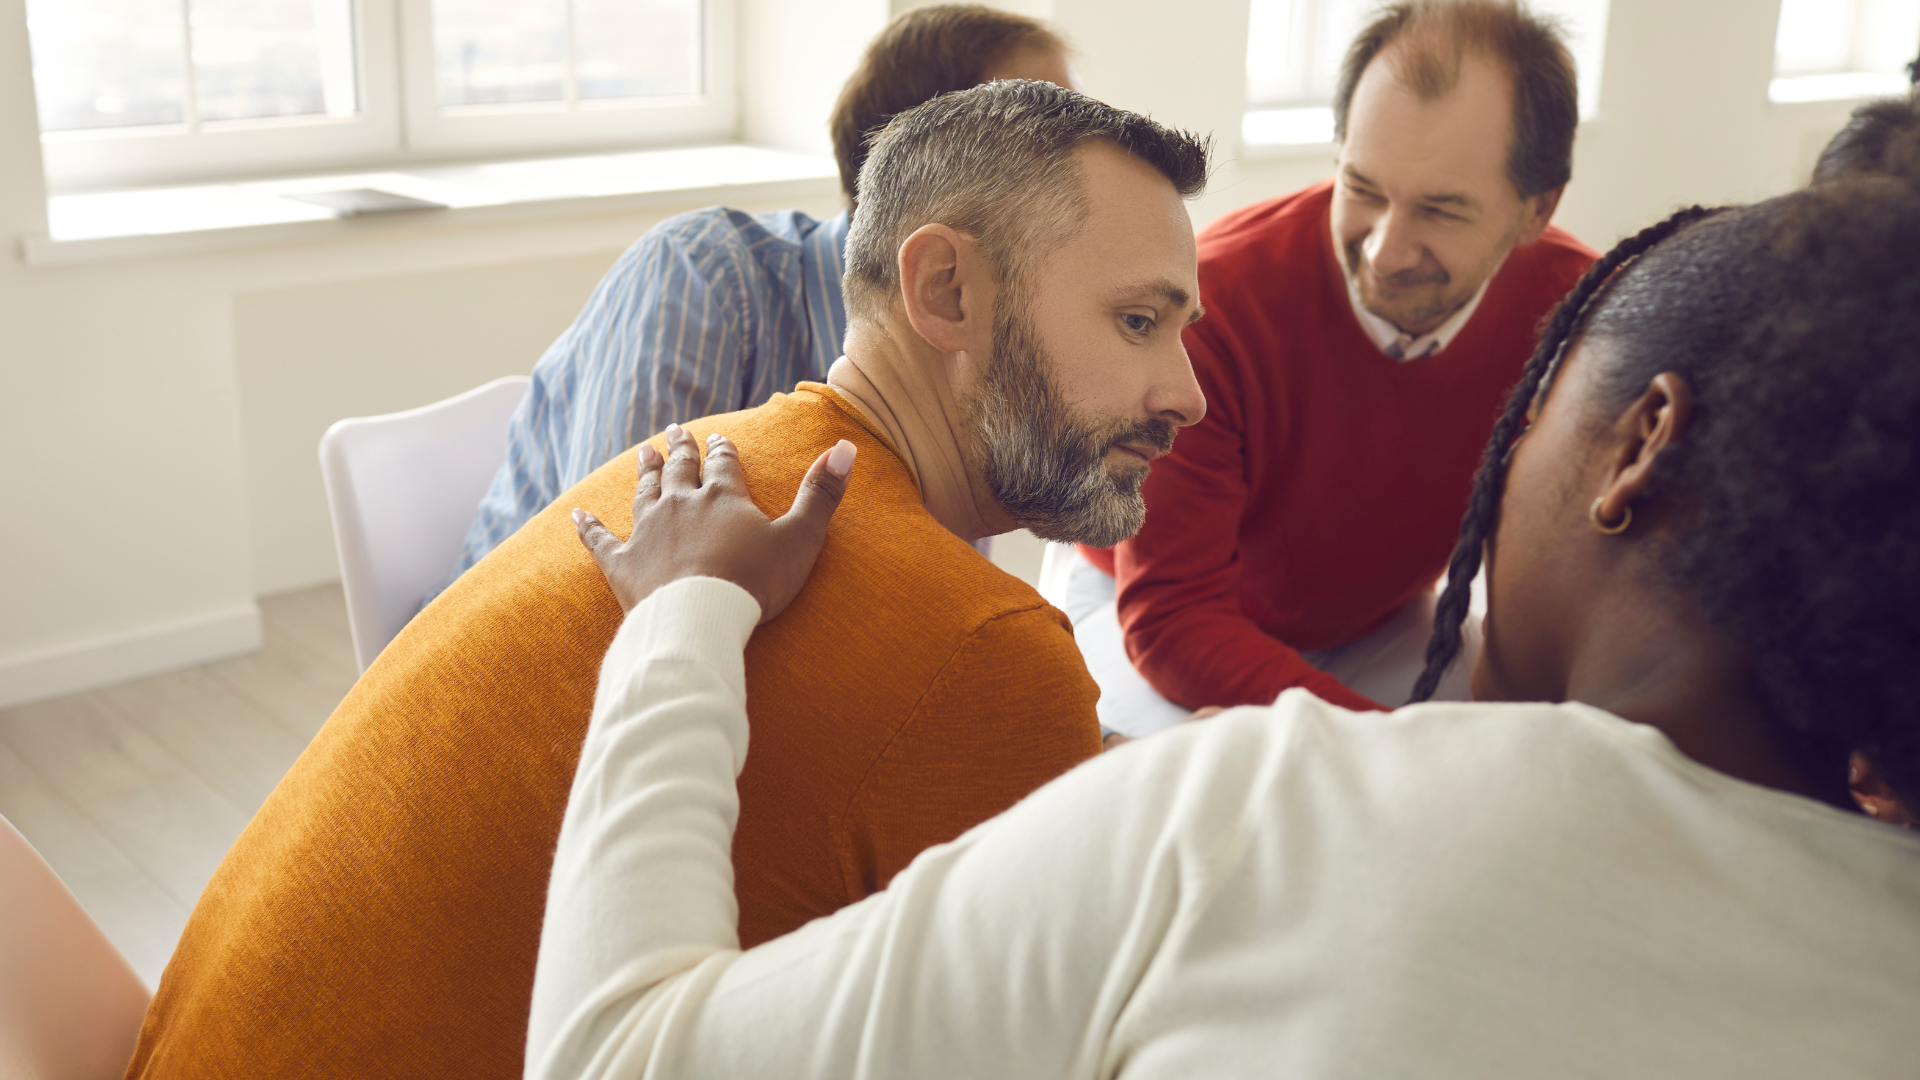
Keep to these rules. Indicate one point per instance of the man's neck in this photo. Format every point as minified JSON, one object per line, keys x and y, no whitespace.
{"x":902,"y":386}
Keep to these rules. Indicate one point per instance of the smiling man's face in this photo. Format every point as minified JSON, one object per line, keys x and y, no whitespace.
{"x":1089,"y":378}
{"x":1424,"y":211}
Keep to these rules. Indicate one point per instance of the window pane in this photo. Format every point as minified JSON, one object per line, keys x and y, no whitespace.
{"x":489,"y":52}
{"x":262,"y":58}
{"x":108,"y":63}
{"x":1294,"y":47}
{"x":636,"y":48}
{"x":1830,"y":37}
{"x":1814,"y":37}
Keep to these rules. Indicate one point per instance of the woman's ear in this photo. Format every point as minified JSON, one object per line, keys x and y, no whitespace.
{"x":939,"y":285}
{"x":1875,"y":798}
{"x":1657,"y":420}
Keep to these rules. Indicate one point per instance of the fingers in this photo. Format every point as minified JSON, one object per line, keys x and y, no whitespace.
{"x":647,"y":491}
{"x":599,"y":540}
{"x":722,"y":469}
{"x":682,"y":470}
{"x":820,"y":492}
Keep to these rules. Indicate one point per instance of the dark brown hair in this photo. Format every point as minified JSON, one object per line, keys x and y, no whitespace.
{"x":1438,"y":34}
{"x":1882,"y":137}
{"x":922,"y":54}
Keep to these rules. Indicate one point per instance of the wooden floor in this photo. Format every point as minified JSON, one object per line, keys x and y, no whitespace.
{"x":133,"y":793}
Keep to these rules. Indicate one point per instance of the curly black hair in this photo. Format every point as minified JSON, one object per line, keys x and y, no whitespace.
{"x":1796,"y":491}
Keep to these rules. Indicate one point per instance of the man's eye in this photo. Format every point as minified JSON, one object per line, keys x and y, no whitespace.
{"x":1139,"y":324}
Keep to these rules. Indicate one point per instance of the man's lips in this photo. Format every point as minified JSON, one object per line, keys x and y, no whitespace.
{"x":1144,"y":453}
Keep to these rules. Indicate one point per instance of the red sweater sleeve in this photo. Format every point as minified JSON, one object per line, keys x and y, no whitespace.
{"x":1185,"y":629}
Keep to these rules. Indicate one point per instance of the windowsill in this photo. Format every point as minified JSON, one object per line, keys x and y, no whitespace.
{"x":1267,"y":134}
{"x":171,"y":220}
{"x":1838,"y":86}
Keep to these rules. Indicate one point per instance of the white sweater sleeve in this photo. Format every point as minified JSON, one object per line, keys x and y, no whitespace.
{"x":1010,"y":952}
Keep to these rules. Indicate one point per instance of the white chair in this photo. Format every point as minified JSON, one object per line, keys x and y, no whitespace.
{"x":70,"y":1007}
{"x":402,"y":489}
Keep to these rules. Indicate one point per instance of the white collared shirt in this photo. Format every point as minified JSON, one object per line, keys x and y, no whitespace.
{"x":1396,"y":342}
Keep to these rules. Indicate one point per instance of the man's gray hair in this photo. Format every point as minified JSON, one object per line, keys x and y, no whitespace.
{"x":995,"y":162}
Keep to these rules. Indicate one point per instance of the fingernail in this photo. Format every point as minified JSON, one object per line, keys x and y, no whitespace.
{"x":673,"y":431}
{"x":840,"y":458}
{"x":579,"y":515}
{"x":712,"y":438}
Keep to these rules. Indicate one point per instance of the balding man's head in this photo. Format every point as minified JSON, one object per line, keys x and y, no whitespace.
{"x":1425,"y":42}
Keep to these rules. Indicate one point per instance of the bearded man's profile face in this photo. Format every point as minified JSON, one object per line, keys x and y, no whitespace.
{"x":1046,"y":464}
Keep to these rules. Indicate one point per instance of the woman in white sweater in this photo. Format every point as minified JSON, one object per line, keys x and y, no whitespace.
{"x":1636,"y":854}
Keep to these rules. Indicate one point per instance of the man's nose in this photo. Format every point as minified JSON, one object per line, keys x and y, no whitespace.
{"x":1392,"y":245}
{"x":1175,"y":395}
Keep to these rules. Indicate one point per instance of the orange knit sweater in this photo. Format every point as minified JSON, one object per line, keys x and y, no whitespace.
{"x":380,"y":915}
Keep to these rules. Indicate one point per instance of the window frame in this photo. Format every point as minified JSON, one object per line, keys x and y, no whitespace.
{"x":396,"y":121}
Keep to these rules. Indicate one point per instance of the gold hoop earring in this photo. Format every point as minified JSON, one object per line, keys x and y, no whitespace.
{"x":1593,"y":515}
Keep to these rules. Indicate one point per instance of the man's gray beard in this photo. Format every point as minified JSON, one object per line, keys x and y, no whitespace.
{"x":1046,"y":466}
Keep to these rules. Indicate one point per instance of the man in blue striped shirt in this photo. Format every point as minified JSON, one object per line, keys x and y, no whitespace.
{"x":717,"y":310}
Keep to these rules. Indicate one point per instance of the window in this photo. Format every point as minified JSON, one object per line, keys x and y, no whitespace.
{"x":1828,"y":49}
{"x":136,"y":91}
{"x":1294,"y":50}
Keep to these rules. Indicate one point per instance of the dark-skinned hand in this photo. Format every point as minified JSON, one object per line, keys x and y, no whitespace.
{"x":686,"y":525}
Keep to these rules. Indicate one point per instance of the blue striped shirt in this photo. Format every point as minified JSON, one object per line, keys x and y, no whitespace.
{"x":709,"y":312}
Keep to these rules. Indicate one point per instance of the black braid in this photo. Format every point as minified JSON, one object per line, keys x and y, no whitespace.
{"x":1483,"y":505}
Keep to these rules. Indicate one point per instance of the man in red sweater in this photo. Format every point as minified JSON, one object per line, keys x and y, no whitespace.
{"x":1361,"y":336}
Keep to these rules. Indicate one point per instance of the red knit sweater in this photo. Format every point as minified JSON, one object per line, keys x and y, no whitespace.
{"x":1325,"y":487}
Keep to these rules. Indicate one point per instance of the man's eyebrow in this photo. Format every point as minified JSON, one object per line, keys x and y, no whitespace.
{"x":1167,"y":290}
{"x":1355,"y":175}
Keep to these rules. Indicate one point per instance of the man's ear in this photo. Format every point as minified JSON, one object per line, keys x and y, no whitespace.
{"x":1538,"y":214}
{"x":1657,"y":420}
{"x":939,"y":284}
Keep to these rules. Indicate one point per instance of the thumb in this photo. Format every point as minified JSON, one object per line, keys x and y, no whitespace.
{"x":820,"y":492}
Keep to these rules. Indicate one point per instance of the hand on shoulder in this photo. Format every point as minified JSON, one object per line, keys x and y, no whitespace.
{"x":689,"y":525}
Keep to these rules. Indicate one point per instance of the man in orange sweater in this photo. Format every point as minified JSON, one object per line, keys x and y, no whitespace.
{"x":1020,"y":269}
{"x":1363,"y":335}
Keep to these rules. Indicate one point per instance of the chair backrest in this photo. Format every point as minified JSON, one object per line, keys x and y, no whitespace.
{"x":70,"y":1007}
{"x":403,"y":489}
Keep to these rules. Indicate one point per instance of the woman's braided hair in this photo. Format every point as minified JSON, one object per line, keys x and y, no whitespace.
{"x":1795,"y":494}
{"x":1483,"y":505}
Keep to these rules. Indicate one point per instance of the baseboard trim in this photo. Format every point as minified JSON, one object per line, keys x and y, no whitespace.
{"x":112,"y":658}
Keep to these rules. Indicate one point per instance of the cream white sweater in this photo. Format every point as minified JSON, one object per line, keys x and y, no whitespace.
{"x":1299,"y":891}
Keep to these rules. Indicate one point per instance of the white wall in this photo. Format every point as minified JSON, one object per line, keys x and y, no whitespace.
{"x":158,"y":416}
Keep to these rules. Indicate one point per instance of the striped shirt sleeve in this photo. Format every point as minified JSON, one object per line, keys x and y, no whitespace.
{"x":709,"y":312}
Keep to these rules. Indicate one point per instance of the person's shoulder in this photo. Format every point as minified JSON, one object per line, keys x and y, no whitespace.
{"x":1556,"y":260}
{"x":718,"y":228}
{"x":1270,"y":227}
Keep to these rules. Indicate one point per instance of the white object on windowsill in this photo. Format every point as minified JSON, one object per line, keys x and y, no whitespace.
{"x":151,"y":221}
{"x":1837,"y":86}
